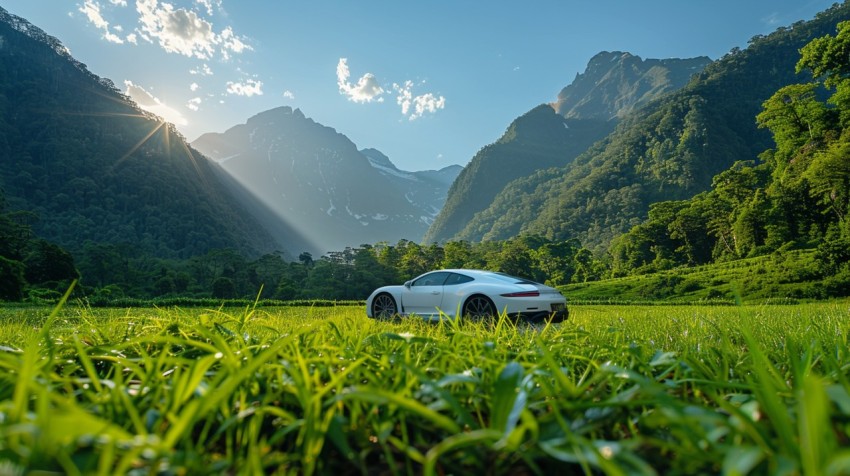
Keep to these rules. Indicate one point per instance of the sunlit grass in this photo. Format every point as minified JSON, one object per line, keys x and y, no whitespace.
{"x":307,"y":390}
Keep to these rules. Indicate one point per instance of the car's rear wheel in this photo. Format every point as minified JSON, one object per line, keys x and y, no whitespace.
{"x":479,"y":308}
{"x":384,"y":307}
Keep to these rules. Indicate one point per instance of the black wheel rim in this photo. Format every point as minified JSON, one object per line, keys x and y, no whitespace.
{"x":383,"y":307}
{"x":478,"y":308}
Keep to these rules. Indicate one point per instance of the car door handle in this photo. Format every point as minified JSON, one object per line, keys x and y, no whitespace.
{"x":435,"y":292}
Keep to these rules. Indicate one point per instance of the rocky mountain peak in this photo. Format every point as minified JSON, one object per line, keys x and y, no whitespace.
{"x":616,"y":83}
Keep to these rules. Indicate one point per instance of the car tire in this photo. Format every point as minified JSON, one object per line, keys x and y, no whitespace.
{"x":478,"y":308}
{"x":384,"y":307}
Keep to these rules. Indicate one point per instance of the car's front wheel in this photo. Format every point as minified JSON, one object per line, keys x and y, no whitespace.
{"x":479,"y":308}
{"x":384,"y":307}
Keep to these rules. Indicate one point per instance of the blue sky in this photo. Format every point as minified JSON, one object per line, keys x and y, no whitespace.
{"x":427,"y":83}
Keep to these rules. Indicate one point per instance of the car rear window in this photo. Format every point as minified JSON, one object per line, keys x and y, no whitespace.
{"x":512,"y":279}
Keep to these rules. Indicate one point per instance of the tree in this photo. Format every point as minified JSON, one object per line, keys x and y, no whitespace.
{"x":587,"y":267}
{"x":750,"y":226}
{"x":690,"y":227}
{"x":12,"y":281}
{"x":306,"y":259}
{"x":555,"y":260}
{"x":15,"y":233}
{"x":223,"y":288}
{"x":48,"y":262}
{"x":268,"y":271}
{"x":515,"y":259}
{"x":828,"y":57}
{"x":795,"y":118}
{"x":829,"y":176}
{"x":413,"y":261}
{"x":456,"y":254}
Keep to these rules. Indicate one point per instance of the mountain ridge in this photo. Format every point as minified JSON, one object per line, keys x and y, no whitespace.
{"x":313,"y":177}
{"x":554,"y":134}
{"x":616,"y":83}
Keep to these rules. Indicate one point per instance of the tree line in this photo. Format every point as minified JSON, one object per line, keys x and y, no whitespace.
{"x":32,"y":268}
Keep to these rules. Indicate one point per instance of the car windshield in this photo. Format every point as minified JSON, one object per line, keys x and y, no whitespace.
{"x":511,"y":279}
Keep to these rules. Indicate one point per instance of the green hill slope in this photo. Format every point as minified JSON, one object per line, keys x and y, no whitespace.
{"x":668,"y":150}
{"x":613,"y":84}
{"x":93,"y":168}
{"x":781,"y":276}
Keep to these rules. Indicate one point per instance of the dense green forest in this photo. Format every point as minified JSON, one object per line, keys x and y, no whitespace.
{"x":795,"y":195}
{"x":91,"y":166}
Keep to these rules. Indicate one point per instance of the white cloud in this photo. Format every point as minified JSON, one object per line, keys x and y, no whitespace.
{"x":289,"y":94}
{"x":367,"y":88}
{"x":182,"y":31}
{"x":193,"y":87}
{"x":194,"y":104}
{"x":131,"y":38}
{"x":152,"y":104}
{"x":120,"y":3}
{"x":112,"y":38}
{"x":427,"y":103}
{"x":91,"y":9}
{"x":178,"y":31}
{"x":248,"y":88}
{"x":421,"y":104}
{"x":231,"y":43}
{"x":203,"y":70}
{"x":208,"y":5}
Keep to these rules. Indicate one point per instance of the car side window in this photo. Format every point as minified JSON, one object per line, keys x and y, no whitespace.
{"x":455,"y":278}
{"x":431,"y":279}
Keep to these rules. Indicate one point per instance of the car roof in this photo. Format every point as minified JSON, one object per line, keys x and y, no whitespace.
{"x":480,"y":272}
{"x":472,"y":272}
{"x":483,"y":273}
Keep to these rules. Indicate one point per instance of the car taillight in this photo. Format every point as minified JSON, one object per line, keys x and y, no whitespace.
{"x":522,"y":294}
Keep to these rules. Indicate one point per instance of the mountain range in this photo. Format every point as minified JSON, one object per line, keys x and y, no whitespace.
{"x":668,"y":149}
{"x":553,"y":135}
{"x":314,"y":179}
{"x":86,"y":166}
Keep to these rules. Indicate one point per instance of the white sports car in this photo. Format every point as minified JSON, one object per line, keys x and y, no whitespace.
{"x":470,"y":293}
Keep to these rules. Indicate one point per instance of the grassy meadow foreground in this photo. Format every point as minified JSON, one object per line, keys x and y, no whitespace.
{"x":318,"y":390}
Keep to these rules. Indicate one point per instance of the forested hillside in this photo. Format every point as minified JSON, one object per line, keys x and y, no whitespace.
{"x":795,"y":195}
{"x":537,"y":140}
{"x":92,"y":170}
{"x":670,"y":149}
{"x":587,"y":110}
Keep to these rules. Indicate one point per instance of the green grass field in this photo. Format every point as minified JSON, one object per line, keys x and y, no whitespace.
{"x":301,"y":390}
{"x":780,"y":277}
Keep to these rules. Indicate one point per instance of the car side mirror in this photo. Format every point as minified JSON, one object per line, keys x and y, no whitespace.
{"x":407,"y":284}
